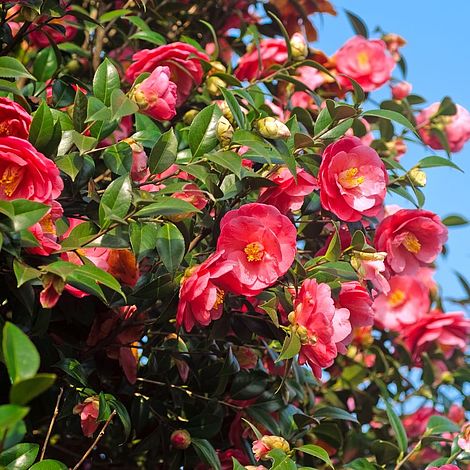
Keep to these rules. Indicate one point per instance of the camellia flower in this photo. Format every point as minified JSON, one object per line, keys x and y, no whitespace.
{"x":411,"y":238}
{"x":455,"y":127}
{"x":26,"y":173}
{"x":353,"y":180}
{"x":88,"y":411}
{"x":298,"y":46}
{"x":192,"y":194}
{"x":263,"y":446}
{"x":445,"y":467}
{"x":45,"y":231}
{"x":464,"y":439}
{"x":448,"y":330}
{"x":288,"y":195}
{"x":319,"y":325}
{"x":14,"y":120}
{"x":139,"y":168}
{"x":369,"y":267}
{"x":180,"y":439}
{"x":394,"y":42}
{"x":181,"y":58}
{"x":401,"y":90}
{"x":365,"y":60}
{"x":357,"y":300}
{"x":261,"y":244}
{"x":156,"y":95}
{"x":415,"y":423}
{"x":68,"y":31}
{"x":407,"y":302}
{"x":271,"y":51}
{"x":201,"y":300}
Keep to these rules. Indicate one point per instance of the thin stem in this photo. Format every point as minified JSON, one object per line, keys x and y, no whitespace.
{"x":95,"y":442}
{"x":51,"y":425}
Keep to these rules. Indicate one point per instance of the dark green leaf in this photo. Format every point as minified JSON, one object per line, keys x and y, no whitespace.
{"x":118,"y":158}
{"x":397,"y":426}
{"x":357,"y":24}
{"x":116,"y":200}
{"x":166,"y":206}
{"x":453,"y":220}
{"x":42,"y":127}
{"x":434,"y":161}
{"x":202,"y":132}
{"x":105,"y":81}
{"x":317,"y":452}
{"x":19,"y":457}
{"x":392,"y":116}
{"x":10,"y":415}
{"x":24,"y":391}
{"x":170,"y":246}
{"x":164,"y":152}
{"x":13,"y":68}
{"x":206,"y":452}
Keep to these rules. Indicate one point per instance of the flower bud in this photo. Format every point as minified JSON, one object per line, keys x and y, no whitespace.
{"x":180,"y":439}
{"x":226,"y":111}
{"x":217,"y":67}
{"x":263,"y":446}
{"x":213,"y":85}
{"x":299,"y":47}
{"x":417,"y":177}
{"x":189,"y":116}
{"x":401,"y":90}
{"x":272,"y":128}
{"x":224,"y":131}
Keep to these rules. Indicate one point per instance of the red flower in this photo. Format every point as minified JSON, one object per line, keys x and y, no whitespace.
{"x":320,"y":326}
{"x":65,"y":30}
{"x":411,"y":238}
{"x":288,"y":195}
{"x":261,"y":244}
{"x":182,"y":59}
{"x":88,"y":411}
{"x":45,"y":231}
{"x":271,"y":51}
{"x":415,"y":424}
{"x":353,"y":180}
{"x":201,"y":300}
{"x":365,"y":60}
{"x":401,"y":90}
{"x":14,"y":120}
{"x":26,"y":173}
{"x":449,"y":331}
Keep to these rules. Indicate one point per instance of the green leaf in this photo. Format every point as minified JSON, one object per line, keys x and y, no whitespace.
{"x":143,"y":238}
{"x":19,"y":457}
{"x":111,"y":15}
{"x":333,"y":413}
{"x":82,"y":142}
{"x":105,"y":81}
{"x":454,"y":220}
{"x":397,"y":426}
{"x":13,"y":68}
{"x":361,"y":464}
{"x":339,"y":130}
{"x":149,"y":36}
{"x":170,"y":246}
{"x":116,"y":200}
{"x":333,"y":251}
{"x":385,"y":452}
{"x":258,"y":145}
{"x":70,"y":164}
{"x":118,"y":158}
{"x":80,"y":236}
{"x":237,"y":465}
{"x":234,"y":107}
{"x":357,"y":24}
{"x":392,"y":116}
{"x":164,"y":152}
{"x":25,"y":390}
{"x":23,"y":213}
{"x":206,"y":452}
{"x":323,"y":121}
{"x":281,"y":461}
{"x":45,"y":64}
{"x":42,"y":127}
{"x":447,"y":107}
{"x":24,"y":273}
{"x":290,"y":348}
{"x":10,"y":415}
{"x":20,"y":355}
{"x":123,"y":416}
{"x":227,"y":159}
{"x":202,"y":132}
{"x":317,"y":452}
{"x":166,"y":206}
{"x":434,"y":161}
{"x":440,"y":425}
{"x":121,"y":105}
{"x":49,"y":464}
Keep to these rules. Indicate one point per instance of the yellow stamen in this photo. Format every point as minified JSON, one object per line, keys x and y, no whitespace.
{"x":254,"y":251}
{"x":348,"y":179}
{"x":411,"y":243}
{"x":4,"y":129}
{"x":396,"y":298}
{"x":47,"y":224}
{"x":363,"y":60}
{"x":11,"y":179}
{"x":219,"y":299}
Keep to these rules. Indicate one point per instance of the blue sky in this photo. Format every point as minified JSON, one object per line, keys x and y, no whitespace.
{"x":438,"y":59}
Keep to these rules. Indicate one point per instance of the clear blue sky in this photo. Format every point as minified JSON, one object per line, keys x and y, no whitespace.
{"x":438,"y":56}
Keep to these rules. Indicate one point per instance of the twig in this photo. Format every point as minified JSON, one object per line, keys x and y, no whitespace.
{"x":95,"y":442}
{"x":51,"y":425}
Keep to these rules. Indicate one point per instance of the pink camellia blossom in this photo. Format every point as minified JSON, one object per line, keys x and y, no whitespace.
{"x":65,"y":32}
{"x":447,"y":466}
{"x":156,"y":95}
{"x":190,"y":193}
{"x":456,"y":414}
{"x":411,"y":238}
{"x":201,"y":300}
{"x":289,"y":194}
{"x":456,"y":127}
{"x":14,"y":120}
{"x":464,"y":439}
{"x":353,"y":180}
{"x":319,"y":325}
{"x":89,"y":411}
{"x":312,"y":78}
{"x":448,"y":330}
{"x":357,"y":300}
{"x":26,"y":173}
{"x":45,"y":231}
{"x":365,"y":60}
{"x":183,"y":60}
{"x":139,"y":168}
{"x":407,"y":302}
{"x":263,"y":446}
{"x":415,"y":424}
{"x":260,"y":242}
{"x":271,"y":51}
{"x":401,"y":90}
{"x":368,"y":137}
{"x":369,"y":267}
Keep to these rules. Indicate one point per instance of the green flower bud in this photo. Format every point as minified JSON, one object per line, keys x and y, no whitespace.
{"x":189,"y":116}
{"x":417,"y":177}
{"x":224,"y":131}
{"x":213,"y":85}
{"x":299,"y":47}
{"x":272,"y":128}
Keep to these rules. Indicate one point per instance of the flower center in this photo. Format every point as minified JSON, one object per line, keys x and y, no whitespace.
{"x":219,"y":300}
{"x":411,"y":243}
{"x":363,"y":60}
{"x":348,"y":179}
{"x":4,"y":129}
{"x":48,"y":225}
{"x":396,"y":298}
{"x":11,"y":178}
{"x":254,"y":251}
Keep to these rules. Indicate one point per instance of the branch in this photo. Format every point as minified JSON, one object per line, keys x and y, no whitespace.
{"x":51,"y":425}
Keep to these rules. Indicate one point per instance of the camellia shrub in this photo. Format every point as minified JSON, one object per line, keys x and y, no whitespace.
{"x":200,"y":266}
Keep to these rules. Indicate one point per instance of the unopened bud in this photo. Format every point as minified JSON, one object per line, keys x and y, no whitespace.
{"x":189,"y":116}
{"x":224,"y":131}
{"x":226,"y":111}
{"x":217,"y":67}
{"x":417,"y":177}
{"x":299,"y":47}
{"x":180,"y":439}
{"x":447,"y":377}
{"x":138,"y":97}
{"x":213,"y":85}
{"x":263,"y":446}
{"x":272,"y":128}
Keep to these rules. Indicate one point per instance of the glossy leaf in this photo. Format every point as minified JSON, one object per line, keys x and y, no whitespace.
{"x":170,"y":246}
{"x":202,"y":132}
{"x":163,"y":153}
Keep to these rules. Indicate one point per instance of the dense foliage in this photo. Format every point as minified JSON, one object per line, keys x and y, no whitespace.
{"x":198,"y":266}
